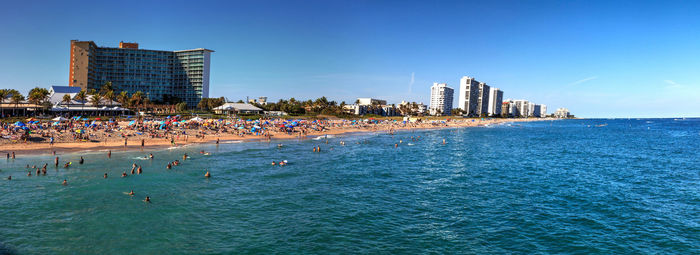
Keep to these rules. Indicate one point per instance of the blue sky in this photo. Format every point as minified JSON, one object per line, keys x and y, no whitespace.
{"x":598,"y":58}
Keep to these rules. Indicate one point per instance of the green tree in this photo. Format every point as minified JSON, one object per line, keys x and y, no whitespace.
{"x":4,"y":94}
{"x":16,"y":99}
{"x":136,"y":100}
{"x":123,"y":98}
{"x":82,"y":97}
{"x":181,"y":106}
{"x":66,"y":99}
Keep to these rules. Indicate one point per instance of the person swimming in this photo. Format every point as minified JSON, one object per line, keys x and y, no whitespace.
{"x":273,"y":163}
{"x":29,"y":173}
{"x":147,"y":200}
{"x":67,"y":165}
{"x":207,"y":174}
{"x":150,"y":155}
{"x":65,"y":182}
{"x":131,"y":193}
{"x":139,"y":170}
{"x":184,"y":157}
{"x":124,"y":174}
{"x":105,"y":175}
{"x":169,"y":166}
{"x":9,"y":178}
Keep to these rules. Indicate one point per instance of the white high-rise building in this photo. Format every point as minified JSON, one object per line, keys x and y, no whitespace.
{"x":562,"y":113}
{"x":441,"y":97}
{"x":495,"y":102}
{"x":468,"y":96}
{"x":522,"y":108}
{"x":543,"y":110}
{"x":483,"y":102}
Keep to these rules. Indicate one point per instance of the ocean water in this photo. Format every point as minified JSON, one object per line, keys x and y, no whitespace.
{"x":630,"y":187}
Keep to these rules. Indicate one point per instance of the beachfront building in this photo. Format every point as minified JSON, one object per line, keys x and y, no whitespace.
{"x":483,"y":100}
{"x":441,"y":97}
{"x":507,"y":109}
{"x":237,"y":108}
{"x":537,"y":110}
{"x":56,"y":93}
{"x":522,"y":108}
{"x":161,"y":75}
{"x":376,"y":109}
{"x":468,"y":96}
{"x":543,"y":110}
{"x":562,"y":113}
{"x":495,"y":102}
{"x":370,"y":101}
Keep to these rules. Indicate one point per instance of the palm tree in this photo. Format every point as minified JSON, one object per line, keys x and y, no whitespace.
{"x":123,"y":99}
{"x":66,"y":99}
{"x":16,"y":99}
{"x":4,"y":93}
{"x":137,"y":99}
{"x":81,"y":96}
{"x":35,"y":98}
{"x":95,"y":100}
{"x":109,"y":95}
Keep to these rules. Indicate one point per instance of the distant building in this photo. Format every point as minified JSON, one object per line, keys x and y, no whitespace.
{"x":361,"y":109}
{"x":543,"y":110}
{"x":56,"y":93}
{"x":522,"y":108}
{"x":468,"y":99}
{"x":237,"y":108}
{"x":260,"y":101}
{"x":537,"y":110}
{"x":441,"y":97}
{"x":495,"y":102}
{"x":160,"y":75}
{"x":562,"y":113}
{"x":507,"y":109}
{"x":370,"y":101}
{"x":483,"y":101}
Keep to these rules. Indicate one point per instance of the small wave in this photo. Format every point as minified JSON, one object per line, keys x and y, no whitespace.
{"x":237,"y":141}
{"x":323,"y":137}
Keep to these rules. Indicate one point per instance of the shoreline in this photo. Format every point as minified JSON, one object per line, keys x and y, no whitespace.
{"x":44,"y":148}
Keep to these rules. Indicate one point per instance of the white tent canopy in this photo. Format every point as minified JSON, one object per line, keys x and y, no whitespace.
{"x":59,"y":118}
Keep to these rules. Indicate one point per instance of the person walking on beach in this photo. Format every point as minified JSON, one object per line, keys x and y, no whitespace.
{"x":142,"y":142}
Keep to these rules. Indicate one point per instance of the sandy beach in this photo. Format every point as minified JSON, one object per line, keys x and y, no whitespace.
{"x":103,"y":141}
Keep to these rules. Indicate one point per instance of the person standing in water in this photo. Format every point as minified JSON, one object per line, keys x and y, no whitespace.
{"x":55,"y":161}
{"x":105,"y":175}
{"x":109,"y":154}
{"x":81,"y":160}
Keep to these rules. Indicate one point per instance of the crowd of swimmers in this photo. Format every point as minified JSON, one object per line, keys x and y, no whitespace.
{"x":135,"y":169}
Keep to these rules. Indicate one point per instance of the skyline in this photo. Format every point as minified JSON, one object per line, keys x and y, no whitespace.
{"x":597,"y":59}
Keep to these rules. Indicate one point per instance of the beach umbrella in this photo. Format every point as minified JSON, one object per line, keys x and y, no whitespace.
{"x":132,"y":122}
{"x":59,"y":119}
{"x":19,"y":123}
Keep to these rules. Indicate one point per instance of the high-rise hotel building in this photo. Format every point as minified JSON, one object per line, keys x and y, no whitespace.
{"x":159,"y":74}
{"x":441,"y":97}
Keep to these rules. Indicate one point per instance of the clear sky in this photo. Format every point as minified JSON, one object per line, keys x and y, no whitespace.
{"x":598,"y":58}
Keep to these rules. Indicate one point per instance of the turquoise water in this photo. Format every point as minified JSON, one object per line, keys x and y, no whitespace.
{"x":630,"y":187}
